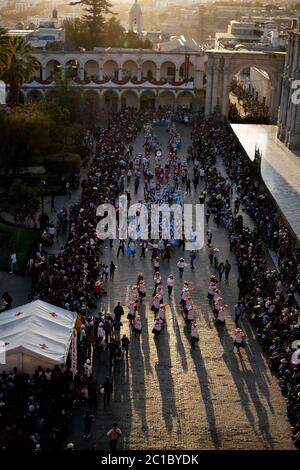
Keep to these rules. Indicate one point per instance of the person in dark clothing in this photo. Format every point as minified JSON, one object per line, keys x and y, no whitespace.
{"x":53,"y":202}
{"x":125,"y":345}
{"x":121,"y":248}
{"x":88,"y":421}
{"x":112,"y":268}
{"x":227,"y":269}
{"x":7,"y":300}
{"x":118,"y":311}
{"x":107,"y":391}
{"x":188,"y":186}
{"x":93,"y":394}
{"x":112,"y":348}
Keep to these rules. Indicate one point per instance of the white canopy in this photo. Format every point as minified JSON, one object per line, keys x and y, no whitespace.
{"x":36,"y":334}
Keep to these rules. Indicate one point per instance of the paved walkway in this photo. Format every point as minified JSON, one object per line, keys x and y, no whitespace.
{"x":280,"y":168}
{"x":168,"y":396}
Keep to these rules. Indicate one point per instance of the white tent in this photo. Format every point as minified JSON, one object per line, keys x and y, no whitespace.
{"x":35,"y":334}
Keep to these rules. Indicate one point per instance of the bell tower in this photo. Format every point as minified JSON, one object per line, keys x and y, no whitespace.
{"x":135,"y":18}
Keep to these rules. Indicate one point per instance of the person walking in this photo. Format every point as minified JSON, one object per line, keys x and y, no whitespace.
{"x":238,"y":341}
{"x":221,"y":269}
{"x":107,"y":388}
{"x":194,"y":334}
{"x":53,"y":202}
{"x":181,"y":265}
{"x":170,"y":284}
{"x":125,"y":345}
{"x":227,"y":269}
{"x":13,"y":262}
{"x":112,"y":268}
{"x":207,"y":215}
{"x":188,"y":186}
{"x":121,"y":248}
{"x":114,"y":435}
{"x":192,"y":259}
{"x":238,"y":313}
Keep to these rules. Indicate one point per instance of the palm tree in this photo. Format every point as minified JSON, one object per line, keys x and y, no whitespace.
{"x":4,"y":48}
{"x":21,"y":67}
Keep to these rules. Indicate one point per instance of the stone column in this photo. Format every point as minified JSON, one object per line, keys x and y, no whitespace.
{"x":139,"y":73}
{"x":177,"y":74}
{"x":101,"y":73}
{"x":215,"y":85}
{"x":63,"y":72}
{"x":209,"y":86}
{"x":81,"y":73}
{"x":198,"y":79}
{"x":120,"y":72}
{"x":43,"y":73}
{"x":157,"y":73}
{"x":225,"y":92}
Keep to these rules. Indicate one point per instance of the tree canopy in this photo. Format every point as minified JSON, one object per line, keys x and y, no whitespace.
{"x":96,"y":30}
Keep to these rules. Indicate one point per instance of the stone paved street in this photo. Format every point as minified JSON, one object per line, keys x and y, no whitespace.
{"x":168,"y":396}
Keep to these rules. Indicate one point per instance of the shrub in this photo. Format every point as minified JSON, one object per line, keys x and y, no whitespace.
{"x":62,"y":164}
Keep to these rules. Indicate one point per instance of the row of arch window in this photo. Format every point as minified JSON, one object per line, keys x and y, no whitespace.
{"x":91,"y":70}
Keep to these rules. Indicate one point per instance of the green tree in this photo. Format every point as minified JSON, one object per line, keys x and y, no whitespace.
{"x":22,"y":202}
{"x":76,"y":33}
{"x":26,"y":136}
{"x":114,"y":33}
{"x":21,"y":68}
{"x":4,"y":49}
{"x":94,"y":18}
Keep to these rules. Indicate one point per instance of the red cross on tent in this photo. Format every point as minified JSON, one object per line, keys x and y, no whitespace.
{"x":18,"y":314}
{"x":53,"y":314}
{"x":6,"y":344}
{"x":43,"y":346}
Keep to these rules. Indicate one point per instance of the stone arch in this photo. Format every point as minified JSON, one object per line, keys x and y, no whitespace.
{"x":91,"y":70}
{"x":149,"y":69}
{"x":129,"y":69}
{"x":223,"y":65}
{"x":110,"y":69}
{"x":239,"y":69}
{"x":111,"y":100}
{"x":34,"y":95}
{"x":130,"y":99}
{"x":168,"y":70}
{"x":186,"y":100}
{"x":147,"y":100}
{"x":53,"y":68}
{"x":72,"y":69}
{"x":167,"y":99}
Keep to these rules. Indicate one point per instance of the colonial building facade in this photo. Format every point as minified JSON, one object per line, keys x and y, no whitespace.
{"x":139,"y":78}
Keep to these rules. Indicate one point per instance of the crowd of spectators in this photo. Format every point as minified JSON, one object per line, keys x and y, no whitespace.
{"x":266,"y":294}
{"x":254,"y":110}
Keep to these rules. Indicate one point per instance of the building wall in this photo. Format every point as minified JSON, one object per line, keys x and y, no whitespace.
{"x":289,"y":115}
{"x":260,"y":84}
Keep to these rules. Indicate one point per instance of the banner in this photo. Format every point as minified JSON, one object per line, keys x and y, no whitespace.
{"x":186,"y":68}
{"x":74,"y":350}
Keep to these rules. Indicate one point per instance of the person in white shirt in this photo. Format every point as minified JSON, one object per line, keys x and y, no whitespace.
{"x":87,"y":368}
{"x":170,"y":284}
{"x":13,"y":262}
{"x":194,"y":334}
{"x":239,"y":336}
{"x":181,"y":265}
